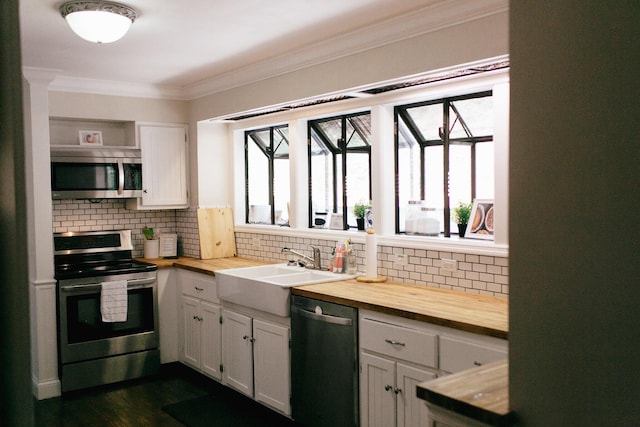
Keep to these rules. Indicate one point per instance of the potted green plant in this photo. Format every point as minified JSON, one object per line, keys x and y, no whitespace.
{"x":360,"y":210}
{"x":151,"y":243}
{"x":461,"y":214}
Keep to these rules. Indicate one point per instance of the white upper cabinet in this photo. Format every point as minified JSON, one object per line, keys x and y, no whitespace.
{"x":164,"y":167}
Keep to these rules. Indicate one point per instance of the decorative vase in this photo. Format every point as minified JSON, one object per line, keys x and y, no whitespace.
{"x":360,"y":222}
{"x":151,"y":248}
{"x":462,"y":228}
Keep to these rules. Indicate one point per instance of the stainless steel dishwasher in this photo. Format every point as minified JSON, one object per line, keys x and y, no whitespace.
{"x":324,"y":363}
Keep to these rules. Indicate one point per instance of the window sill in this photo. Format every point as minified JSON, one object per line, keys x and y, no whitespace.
{"x":451,"y":244}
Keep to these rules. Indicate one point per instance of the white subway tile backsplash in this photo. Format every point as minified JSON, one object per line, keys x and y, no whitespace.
{"x":83,"y":215}
{"x":474,"y":259}
{"x":475,"y":273}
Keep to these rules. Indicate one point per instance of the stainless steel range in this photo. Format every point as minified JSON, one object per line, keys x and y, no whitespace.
{"x":94,"y":346}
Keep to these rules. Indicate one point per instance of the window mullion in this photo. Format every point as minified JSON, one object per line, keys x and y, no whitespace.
{"x":462,"y":122}
{"x":423,"y":179}
{"x":473,"y":171}
{"x":335,"y":183}
{"x":271,"y":157}
{"x":246,"y":177}
{"x":445,"y":151}
{"x":344,"y":173}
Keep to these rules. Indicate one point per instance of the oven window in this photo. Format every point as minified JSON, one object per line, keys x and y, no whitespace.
{"x":84,"y":320}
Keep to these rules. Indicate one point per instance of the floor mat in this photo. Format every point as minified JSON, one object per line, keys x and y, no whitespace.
{"x":225,"y":411}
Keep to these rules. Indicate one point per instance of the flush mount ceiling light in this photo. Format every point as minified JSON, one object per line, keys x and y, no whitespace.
{"x":98,"y":21}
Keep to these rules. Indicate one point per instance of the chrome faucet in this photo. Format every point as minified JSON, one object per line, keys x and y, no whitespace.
{"x":305,"y":260}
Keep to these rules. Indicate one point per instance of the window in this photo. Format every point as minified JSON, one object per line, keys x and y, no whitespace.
{"x":444,"y":155}
{"x":267,"y":175}
{"x":339,"y":167}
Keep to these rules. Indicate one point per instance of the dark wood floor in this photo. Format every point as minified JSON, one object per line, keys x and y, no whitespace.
{"x":131,"y":403}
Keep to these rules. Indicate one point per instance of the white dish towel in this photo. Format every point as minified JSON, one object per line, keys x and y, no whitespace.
{"x":113,"y":301}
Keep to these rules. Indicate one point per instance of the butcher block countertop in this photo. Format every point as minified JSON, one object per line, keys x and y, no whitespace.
{"x":480,"y":393}
{"x":205,"y":266}
{"x":480,"y":314}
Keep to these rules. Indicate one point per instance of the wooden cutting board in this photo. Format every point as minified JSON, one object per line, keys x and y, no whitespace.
{"x":217,"y":237}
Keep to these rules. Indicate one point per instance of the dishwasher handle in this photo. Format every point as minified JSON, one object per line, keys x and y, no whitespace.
{"x":322,"y":317}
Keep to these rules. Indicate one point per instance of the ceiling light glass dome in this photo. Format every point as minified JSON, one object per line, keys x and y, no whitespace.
{"x":98,"y":21}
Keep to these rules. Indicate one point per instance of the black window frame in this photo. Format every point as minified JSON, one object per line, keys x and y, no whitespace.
{"x":400,"y":112}
{"x":341,"y":147}
{"x":269,"y":151}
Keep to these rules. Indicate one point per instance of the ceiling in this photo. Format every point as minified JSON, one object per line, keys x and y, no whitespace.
{"x":196,"y":47}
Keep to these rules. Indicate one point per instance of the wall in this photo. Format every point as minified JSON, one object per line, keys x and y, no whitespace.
{"x":105,"y":107}
{"x":484,"y":274}
{"x":110,"y":214}
{"x":575,"y":286}
{"x":15,"y":393}
{"x":474,"y":40}
{"x":481,"y":274}
{"x":81,"y":215}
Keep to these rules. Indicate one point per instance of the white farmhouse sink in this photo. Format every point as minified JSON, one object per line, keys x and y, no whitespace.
{"x":267,"y":287}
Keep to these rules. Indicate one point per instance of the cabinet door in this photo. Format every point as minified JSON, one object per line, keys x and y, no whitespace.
{"x":412,"y":411}
{"x":191,"y":348}
{"x":211,"y":339}
{"x":164,"y":166}
{"x":237,"y":352}
{"x":271,"y":365}
{"x":377,"y":397}
{"x":168,"y":315}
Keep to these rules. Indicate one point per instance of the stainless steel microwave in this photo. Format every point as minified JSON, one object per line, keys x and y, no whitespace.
{"x":96,"y":173}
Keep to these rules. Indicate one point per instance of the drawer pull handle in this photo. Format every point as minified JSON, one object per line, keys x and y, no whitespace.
{"x":477,"y":363}
{"x":199,"y":289}
{"x":392,"y":342}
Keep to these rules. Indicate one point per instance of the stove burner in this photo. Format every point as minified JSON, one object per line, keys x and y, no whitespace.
{"x":89,"y":254}
{"x":70,"y":271}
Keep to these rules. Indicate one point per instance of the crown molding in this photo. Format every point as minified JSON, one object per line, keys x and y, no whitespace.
{"x":442,"y":14}
{"x":116,"y":88}
{"x":35,"y":74}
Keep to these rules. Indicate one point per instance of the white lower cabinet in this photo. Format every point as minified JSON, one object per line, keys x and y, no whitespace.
{"x":256,"y":359}
{"x":460,"y":350}
{"x":395,"y":355}
{"x":237,"y":357}
{"x":271,"y":365}
{"x":387,"y":392}
{"x":201,"y":336}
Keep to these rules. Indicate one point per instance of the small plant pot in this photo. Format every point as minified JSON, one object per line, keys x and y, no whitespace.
{"x":462,"y":228}
{"x":360,"y":222}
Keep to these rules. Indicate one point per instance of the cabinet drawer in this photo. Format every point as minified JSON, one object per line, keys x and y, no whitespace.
{"x":400,"y":342}
{"x":458,"y":354}
{"x":198,"y":286}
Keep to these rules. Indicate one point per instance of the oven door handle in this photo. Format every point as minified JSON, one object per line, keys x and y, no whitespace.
{"x":131,"y":284}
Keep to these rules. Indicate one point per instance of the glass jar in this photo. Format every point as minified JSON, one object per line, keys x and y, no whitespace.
{"x":412,"y":216}
{"x":428,"y":223}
